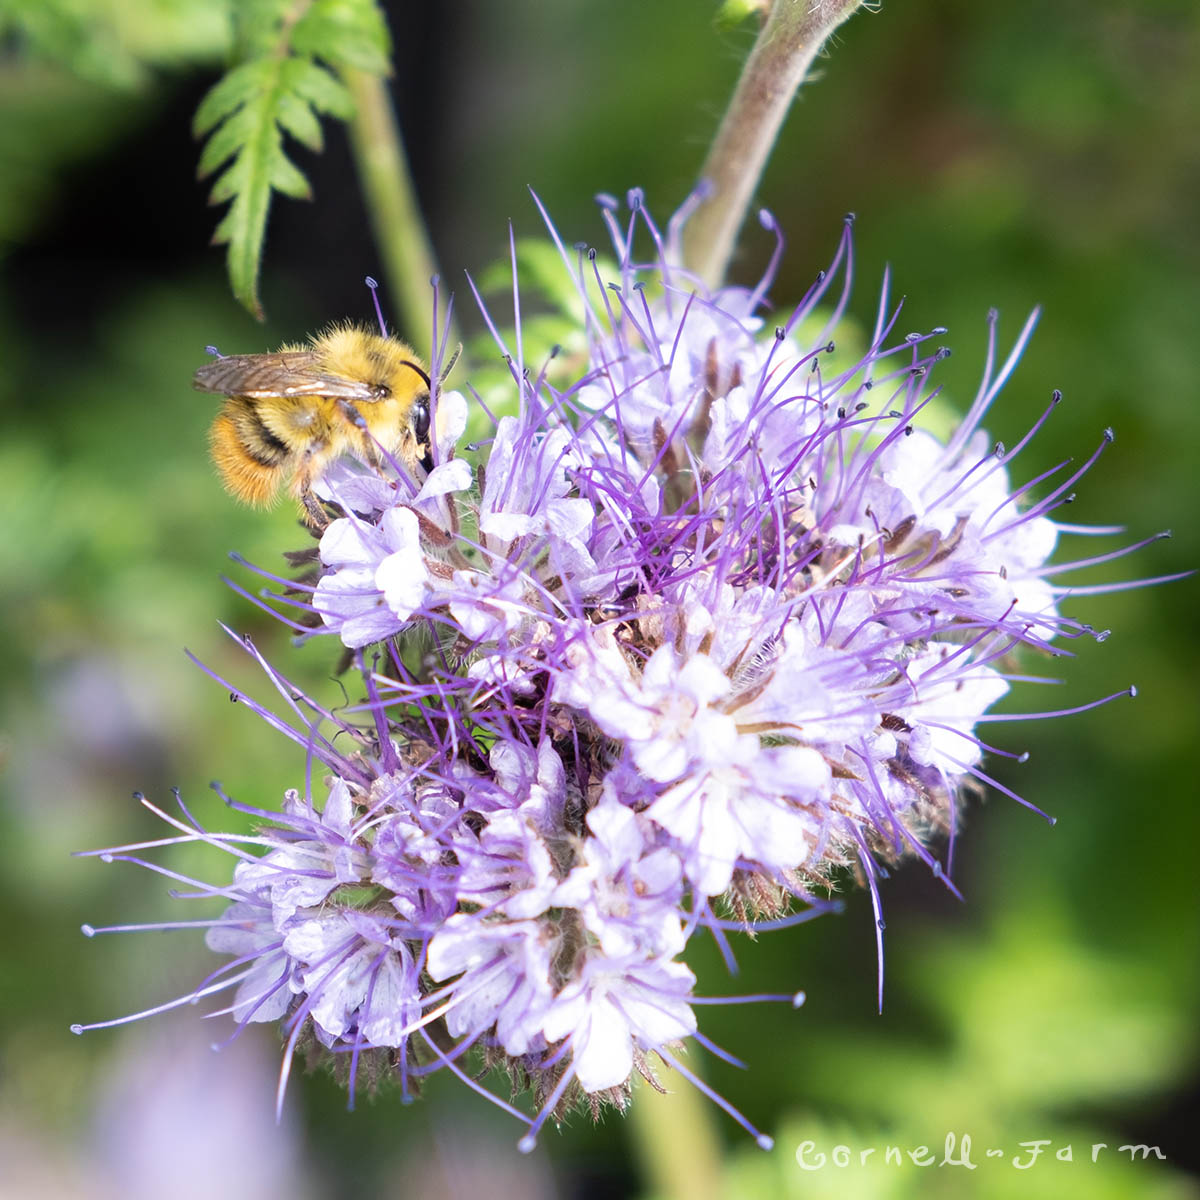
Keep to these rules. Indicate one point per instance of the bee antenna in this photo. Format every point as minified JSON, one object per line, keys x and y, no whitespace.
{"x":418,"y":370}
{"x":373,"y":284}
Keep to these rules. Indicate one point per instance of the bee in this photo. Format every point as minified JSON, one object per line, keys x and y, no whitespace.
{"x":287,"y":416}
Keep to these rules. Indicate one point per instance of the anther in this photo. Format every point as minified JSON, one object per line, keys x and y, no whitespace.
{"x":373,"y":284}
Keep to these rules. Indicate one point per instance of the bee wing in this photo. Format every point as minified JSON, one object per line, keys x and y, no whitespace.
{"x":287,"y":373}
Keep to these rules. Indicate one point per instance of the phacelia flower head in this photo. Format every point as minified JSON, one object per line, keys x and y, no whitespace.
{"x":707,"y":628}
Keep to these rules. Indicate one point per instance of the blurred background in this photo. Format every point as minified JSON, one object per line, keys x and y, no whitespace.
{"x":996,"y":155}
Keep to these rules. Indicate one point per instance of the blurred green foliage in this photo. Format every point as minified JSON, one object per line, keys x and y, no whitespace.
{"x":1002,"y":155}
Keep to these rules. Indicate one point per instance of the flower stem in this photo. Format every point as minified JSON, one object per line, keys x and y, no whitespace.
{"x":391,"y":200}
{"x":791,"y":37}
{"x":676,"y":1143}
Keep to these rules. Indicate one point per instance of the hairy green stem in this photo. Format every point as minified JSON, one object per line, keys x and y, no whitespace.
{"x":791,"y":37}
{"x":391,"y":200}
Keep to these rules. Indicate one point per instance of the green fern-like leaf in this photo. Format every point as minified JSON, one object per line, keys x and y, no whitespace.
{"x":279,"y":88}
{"x":345,"y":33}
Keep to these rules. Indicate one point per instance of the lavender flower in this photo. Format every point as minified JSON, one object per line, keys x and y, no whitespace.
{"x":713,"y":620}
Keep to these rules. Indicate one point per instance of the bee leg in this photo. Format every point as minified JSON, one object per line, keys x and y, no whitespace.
{"x":358,"y":421}
{"x":352,"y":414}
{"x":355,"y":418}
{"x":315,"y":516}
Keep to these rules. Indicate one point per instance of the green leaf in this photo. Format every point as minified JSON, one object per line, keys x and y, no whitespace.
{"x":258,"y":27}
{"x":223,"y":144}
{"x":298,"y":119}
{"x":243,"y":228}
{"x":279,"y":88}
{"x":251,"y":134}
{"x":288,"y":179}
{"x":239,"y":87}
{"x":314,"y":84}
{"x":345,"y":33}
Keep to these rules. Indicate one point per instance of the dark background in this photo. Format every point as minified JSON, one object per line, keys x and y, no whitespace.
{"x":1005,"y":155}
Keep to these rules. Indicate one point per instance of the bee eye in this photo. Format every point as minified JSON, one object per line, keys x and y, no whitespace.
{"x":420,"y":418}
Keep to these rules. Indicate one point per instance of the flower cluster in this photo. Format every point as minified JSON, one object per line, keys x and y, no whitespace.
{"x":710,"y":627}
